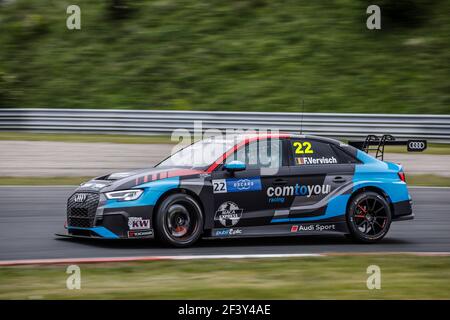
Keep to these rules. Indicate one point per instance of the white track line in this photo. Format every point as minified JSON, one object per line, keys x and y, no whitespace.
{"x":248,"y":256}
{"x":197,"y":257}
{"x":152,"y":258}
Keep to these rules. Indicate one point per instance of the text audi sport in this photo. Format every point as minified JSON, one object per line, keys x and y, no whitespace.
{"x":247,"y":186}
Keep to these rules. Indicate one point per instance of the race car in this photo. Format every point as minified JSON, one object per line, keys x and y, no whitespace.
{"x":245,"y":185}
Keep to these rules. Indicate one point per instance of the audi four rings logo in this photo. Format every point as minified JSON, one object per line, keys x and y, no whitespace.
{"x":417,"y":145}
{"x":80,"y":197}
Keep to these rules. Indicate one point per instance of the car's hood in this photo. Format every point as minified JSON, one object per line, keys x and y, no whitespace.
{"x":130,"y":179}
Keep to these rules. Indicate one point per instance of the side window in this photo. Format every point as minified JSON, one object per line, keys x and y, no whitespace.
{"x":259,"y":154}
{"x":312,"y":152}
{"x":344,"y":157}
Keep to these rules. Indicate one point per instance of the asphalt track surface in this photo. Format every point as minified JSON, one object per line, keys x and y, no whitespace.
{"x":30,"y":216}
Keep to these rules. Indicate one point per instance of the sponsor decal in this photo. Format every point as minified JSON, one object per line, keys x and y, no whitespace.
{"x":137,"y":223}
{"x":311,"y":160}
{"x":228,"y":214}
{"x":80,"y":197}
{"x":417,"y":145}
{"x":227,"y":232}
{"x":277,"y":200}
{"x":313,"y":227}
{"x":246,"y":184}
{"x":298,"y":190}
{"x":236,"y":185}
{"x":136,"y":234}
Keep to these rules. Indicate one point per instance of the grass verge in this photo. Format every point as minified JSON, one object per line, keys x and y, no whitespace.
{"x":338,"y":277}
{"x":255,"y":55}
{"x":428,"y":180}
{"x":424,"y":180}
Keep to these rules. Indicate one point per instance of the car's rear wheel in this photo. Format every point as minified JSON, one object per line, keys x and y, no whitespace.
{"x":179,"y":220}
{"x":368,"y":217}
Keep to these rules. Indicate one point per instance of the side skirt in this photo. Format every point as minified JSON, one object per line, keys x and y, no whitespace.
{"x":291,"y":229}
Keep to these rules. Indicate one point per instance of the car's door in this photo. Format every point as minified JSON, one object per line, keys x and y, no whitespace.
{"x":240,"y":198}
{"x":320,"y":173}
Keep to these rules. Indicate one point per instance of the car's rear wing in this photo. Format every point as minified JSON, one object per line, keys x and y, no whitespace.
{"x":387,"y":140}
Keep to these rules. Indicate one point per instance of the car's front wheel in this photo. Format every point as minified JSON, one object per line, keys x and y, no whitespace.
{"x":368,"y":217}
{"x":179,"y":220}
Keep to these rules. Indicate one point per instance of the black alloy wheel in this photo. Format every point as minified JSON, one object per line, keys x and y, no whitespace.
{"x":368,"y":217}
{"x":179,"y":220}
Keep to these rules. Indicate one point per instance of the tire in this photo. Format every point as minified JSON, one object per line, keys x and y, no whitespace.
{"x":368,"y":217}
{"x":179,"y":221}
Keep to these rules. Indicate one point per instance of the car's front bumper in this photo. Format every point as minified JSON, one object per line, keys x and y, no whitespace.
{"x":103,"y":233}
{"x":115,"y":223}
{"x":99,"y":233}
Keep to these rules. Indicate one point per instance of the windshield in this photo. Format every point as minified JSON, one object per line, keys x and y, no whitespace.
{"x":200,"y":154}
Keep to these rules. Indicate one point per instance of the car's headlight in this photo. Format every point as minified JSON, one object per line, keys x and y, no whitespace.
{"x":124,"y":195}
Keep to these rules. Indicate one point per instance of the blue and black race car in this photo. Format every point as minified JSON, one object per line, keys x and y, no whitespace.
{"x":249,"y":186}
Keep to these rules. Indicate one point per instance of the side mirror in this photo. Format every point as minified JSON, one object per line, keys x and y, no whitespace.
{"x":234,"y":166}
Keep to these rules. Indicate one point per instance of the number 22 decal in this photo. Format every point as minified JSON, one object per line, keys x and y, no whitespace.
{"x":300,"y":145}
{"x":219,"y":186}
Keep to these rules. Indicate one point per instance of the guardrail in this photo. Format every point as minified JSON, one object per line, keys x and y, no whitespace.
{"x":432,"y":127}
